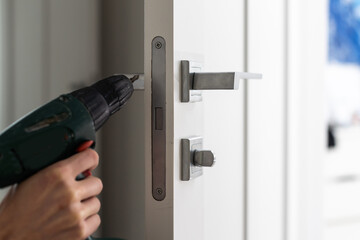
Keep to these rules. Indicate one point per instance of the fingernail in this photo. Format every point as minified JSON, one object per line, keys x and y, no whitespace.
{"x":87,"y":173}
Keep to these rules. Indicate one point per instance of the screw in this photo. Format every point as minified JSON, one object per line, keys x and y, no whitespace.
{"x":159,"y":191}
{"x":158,"y":45}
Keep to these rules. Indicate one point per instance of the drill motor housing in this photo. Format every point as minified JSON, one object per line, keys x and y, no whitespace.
{"x":54,"y":131}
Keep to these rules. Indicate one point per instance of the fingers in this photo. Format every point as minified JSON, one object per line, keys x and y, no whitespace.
{"x":92,"y":224}
{"x":80,"y":162}
{"x":91,"y":207}
{"x":81,"y":231}
{"x":89,"y":187}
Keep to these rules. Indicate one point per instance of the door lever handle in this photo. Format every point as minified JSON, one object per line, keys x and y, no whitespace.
{"x":210,"y":81}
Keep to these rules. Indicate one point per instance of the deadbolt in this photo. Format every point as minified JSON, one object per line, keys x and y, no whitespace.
{"x":194,"y":158}
{"x":204,"y":158}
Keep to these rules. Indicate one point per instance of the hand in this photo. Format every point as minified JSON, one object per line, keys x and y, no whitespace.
{"x":52,"y":204}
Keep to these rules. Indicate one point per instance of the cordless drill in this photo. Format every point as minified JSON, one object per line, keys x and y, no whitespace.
{"x":54,"y":131}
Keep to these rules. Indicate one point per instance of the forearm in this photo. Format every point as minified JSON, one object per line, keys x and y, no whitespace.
{"x":6,"y":232}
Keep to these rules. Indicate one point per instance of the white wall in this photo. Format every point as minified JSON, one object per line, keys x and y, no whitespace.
{"x":341,"y":210}
{"x":341,"y":185}
{"x":73,"y":51}
{"x":307,"y":21}
{"x":343,"y":93}
{"x":27,"y":61}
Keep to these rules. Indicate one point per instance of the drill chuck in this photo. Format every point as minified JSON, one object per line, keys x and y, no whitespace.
{"x":105,"y":97}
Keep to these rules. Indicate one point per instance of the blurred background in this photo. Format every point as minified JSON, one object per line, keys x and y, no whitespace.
{"x":49,"y":47}
{"x":341,"y":162}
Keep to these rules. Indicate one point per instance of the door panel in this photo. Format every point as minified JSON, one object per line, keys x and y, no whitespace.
{"x":224,"y":122}
{"x":210,"y":206}
{"x":188,"y":212}
{"x":266,"y":120}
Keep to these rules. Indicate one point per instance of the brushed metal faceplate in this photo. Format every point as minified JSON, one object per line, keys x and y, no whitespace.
{"x":158,"y":117}
{"x":188,"y":169}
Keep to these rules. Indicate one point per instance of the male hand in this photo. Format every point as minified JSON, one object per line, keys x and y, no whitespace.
{"x":52,"y":205}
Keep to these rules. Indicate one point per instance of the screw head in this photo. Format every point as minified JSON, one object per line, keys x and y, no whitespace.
{"x":158,"y":45}
{"x":159,"y":191}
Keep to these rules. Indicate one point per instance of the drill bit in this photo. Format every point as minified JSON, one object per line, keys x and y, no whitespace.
{"x":134,"y":78}
{"x":137,"y":80}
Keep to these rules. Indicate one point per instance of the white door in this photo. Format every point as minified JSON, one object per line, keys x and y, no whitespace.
{"x":211,"y":34}
{"x":142,"y":199}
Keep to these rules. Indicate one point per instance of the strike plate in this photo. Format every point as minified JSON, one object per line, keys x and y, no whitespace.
{"x":158,"y":115}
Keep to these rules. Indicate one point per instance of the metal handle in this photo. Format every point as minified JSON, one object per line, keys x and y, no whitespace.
{"x":210,"y":81}
{"x":204,"y":158}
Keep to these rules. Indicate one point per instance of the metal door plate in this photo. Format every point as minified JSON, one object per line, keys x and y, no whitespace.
{"x":188,"y":169}
{"x":187,"y":94}
{"x":158,"y":115}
